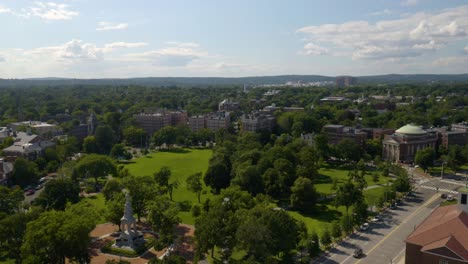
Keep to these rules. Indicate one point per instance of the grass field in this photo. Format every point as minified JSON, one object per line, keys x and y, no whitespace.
{"x":324,"y":182}
{"x":182,"y":163}
{"x":98,"y":203}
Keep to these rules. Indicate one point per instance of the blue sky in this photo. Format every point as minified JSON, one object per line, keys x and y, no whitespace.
{"x":103,"y":38}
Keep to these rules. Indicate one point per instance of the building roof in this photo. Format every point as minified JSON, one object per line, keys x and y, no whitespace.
{"x":444,"y":232}
{"x":411,"y":130}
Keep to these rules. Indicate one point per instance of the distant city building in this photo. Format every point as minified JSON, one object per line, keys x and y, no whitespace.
{"x":213,"y":121}
{"x":257,"y":121}
{"x":343,"y":81}
{"x":152,"y":122}
{"x":40,"y":128}
{"x":333,"y":99}
{"x":405,"y":142}
{"x":228,"y":105}
{"x":271,"y":92}
{"x":377,"y":133}
{"x":27,"y":145}
{"x":336,"y":133}
{"x":443,"y":237}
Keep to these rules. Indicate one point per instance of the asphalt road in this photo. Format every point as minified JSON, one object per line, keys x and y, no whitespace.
{"x":384,"y":241}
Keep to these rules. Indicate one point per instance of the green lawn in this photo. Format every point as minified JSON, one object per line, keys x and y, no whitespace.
{"x":182,"y":163}
{"x":325,"y":214}
{"x":324,"y":182}
{"x":373,"y":195}
{"x":99,"y":204}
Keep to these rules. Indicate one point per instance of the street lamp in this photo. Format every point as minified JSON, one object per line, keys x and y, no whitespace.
{"x":442,"y":171}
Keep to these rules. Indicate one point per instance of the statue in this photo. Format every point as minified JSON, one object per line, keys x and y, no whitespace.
{"x":130,"y":236}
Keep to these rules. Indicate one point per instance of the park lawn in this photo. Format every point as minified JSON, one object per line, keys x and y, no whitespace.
{"x":182,"y":163}
{"x":373,"y":195}
{"x":99,"y":204}
{"x":324,"y":181}
{"x":322,"y":218}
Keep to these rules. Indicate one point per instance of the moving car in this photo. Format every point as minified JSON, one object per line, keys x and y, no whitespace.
{"x":357,"y":253}
{"x":364,"y":227}
{"x":443,"y":196}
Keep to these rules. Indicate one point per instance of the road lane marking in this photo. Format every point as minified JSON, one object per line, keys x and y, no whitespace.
{"x":432,"y":199}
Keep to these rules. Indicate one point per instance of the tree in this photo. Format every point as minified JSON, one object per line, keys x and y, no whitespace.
{"x":347,"y":194}
{"x":10,"y":200}
{"x":115,"y":209}
{"x":24,"y":172}
{"x":217,"y":176}
{"x":321,"y":145}
{"x":303,"y":194}
{"x":375,"y":177}
{"x":313,"y":244}
{"x":248,"y":178}
{"x":58,"y":192}
{"x":119,"y":152}
{"x":90,"y":144}
{"x":104,"y":138}
{"x":112,"y":188}
{"x":346,"y":223}
{"x":271,"y":183}
{"x":12,"y":229}
{"x":162,"y":176}
{"x":326,"y":238}
{"x":360,"y":211}
{"x":142,"y":190}
{"x":163,"y":217}
{"x":348,"y":150}
{"x":425,"y":157}
{"x":135,"y":136}
{"x":57,"y":235}
{"x":95,"y":166}
{"x":336,"y":230}
{"x":167,"y":134}
{"x":194,"y":184}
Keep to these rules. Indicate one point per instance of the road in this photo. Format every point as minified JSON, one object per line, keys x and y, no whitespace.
{"x":384,"y":241}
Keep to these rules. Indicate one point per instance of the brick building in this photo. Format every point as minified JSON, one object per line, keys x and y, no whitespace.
{"x":405,"y":142}
{"x":152,"y":122}
{"x":257,"y":121}
{"x":212,"y":121}
{"x":443,"y":237}
{"x":336,"y":133}
{"x":458,"y":135}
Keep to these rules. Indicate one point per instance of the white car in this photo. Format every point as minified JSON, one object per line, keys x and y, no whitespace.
{"x":376,"y":219}
{"x":364,"y":227}
{"x":449,"y":197}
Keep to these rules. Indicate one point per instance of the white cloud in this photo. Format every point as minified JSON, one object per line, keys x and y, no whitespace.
{"x":450,"y":61}
{"x":117,"y":45}
{"x":183,"y":44}
{"x":178,"y":54}
{"x":409,"y":2}
{"x":2,"y":59}
{"x":5,"y":10}
{"x":104,"y":26}
{"x":384,"y":12}
{"x":408,"y":36}
{"x":50,"y":11}
{"x":465,"y":49}
{"x":313,"y":49}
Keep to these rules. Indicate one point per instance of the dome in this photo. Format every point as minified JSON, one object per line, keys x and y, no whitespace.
{"x":411,"y":130}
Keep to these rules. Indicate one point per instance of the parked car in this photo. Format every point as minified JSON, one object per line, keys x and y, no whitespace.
{"x":450,"y":197}
{"x":39,"y":186}
{"x":364,"y":227}
{"x":30,"y":192}
{"x":376,"y":219}
{"x":443,"y":196}
{"x":393,"y":206}
{"x":357,"y":253}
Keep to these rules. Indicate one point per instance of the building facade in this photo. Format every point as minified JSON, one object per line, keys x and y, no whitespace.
{"x":443,"y":237}
{"x":458,"y":135}
{"x":213,"y":121}
{"x":402,"y":145}
{"x":257,"y":122}
{"x":152,"y":122}
{"x":337,"y":133}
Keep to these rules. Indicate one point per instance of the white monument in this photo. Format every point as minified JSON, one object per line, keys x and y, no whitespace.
{"x":129,"y":236}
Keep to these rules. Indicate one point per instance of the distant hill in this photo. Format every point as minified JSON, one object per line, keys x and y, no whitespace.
{"x":254,"y":80}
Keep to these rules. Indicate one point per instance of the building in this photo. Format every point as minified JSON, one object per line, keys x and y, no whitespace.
{"x":4,"y":133}
{"x":336,"y":133}
{"x":402,"y":145}
{"x":378,"y":133}
{"x":213,"y":121}
{"x":443,"y":237}
{"x":458,"y":135}
{"x":27,"y":145}
{"x":85,"y":129}
{"x":333,"y":99}
{"x":228,"y":105}
{"x":6,"y":168}
{"x":343,"y":81}
{"x":257,"y":121}
{"x":152,"y":122}
{"x":38,"y":127}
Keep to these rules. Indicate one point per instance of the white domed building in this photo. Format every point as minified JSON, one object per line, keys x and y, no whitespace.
{"x":403,"y":144}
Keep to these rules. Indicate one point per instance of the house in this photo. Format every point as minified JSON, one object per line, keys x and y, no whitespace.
{"x":27,"y":145}
{"x":443,"y":237}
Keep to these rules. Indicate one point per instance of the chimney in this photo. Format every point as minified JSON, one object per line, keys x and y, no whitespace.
{"x":463,"y":199}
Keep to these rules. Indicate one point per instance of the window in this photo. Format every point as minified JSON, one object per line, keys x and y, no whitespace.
{"x":443,"y":261}
{"x":463,"y":198}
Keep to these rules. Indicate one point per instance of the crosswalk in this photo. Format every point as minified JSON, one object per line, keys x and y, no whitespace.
{"x":439,"y":189}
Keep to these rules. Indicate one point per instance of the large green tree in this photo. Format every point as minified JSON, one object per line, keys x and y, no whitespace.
{"x":163,"y":216}
{"x":25,"y":172}
{"x":105,"y":138}
{"x":94,"y":166}
{"x":194,"y":184}
{"x":58,"y":192}
{"x":10,"y":200}
{"x":303,"y":194}
{"x":425,"y":157}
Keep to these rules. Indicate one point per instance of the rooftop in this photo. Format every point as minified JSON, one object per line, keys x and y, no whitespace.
{"x":411,"y":129}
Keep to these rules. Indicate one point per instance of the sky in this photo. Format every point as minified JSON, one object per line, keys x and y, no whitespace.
{"x":181,"y":38}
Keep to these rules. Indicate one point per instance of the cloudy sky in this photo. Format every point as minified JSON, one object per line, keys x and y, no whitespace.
{"x":113,"y":38}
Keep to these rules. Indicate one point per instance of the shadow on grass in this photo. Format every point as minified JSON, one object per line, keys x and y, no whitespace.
{"x":175,"y":150}
{"x":322,"y":213}
{"x":126,"y":162}
{"x":320,"y":179}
